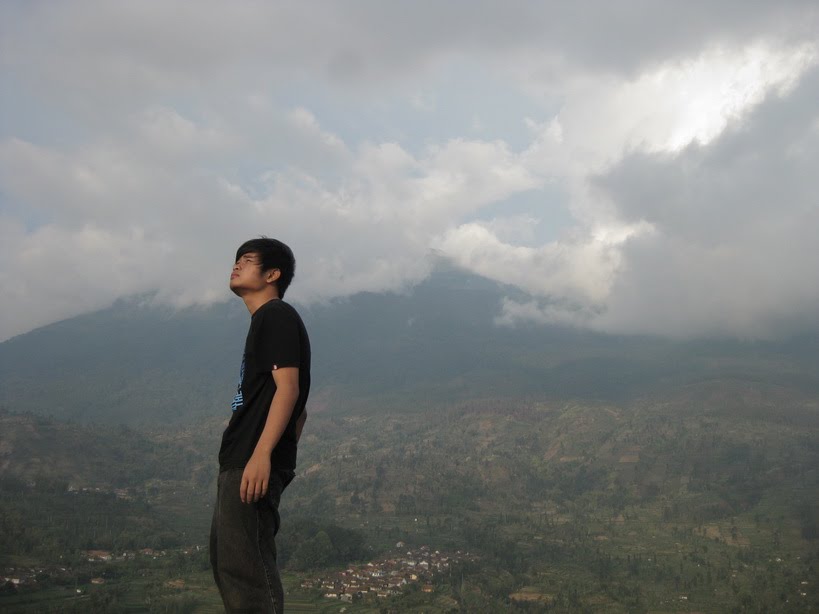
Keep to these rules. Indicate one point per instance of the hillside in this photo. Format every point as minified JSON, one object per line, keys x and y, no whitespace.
{"x":710,"y":495}
{"x":137,"y":363}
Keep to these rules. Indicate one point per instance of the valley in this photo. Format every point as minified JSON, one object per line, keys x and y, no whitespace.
{"x":683,"y":504}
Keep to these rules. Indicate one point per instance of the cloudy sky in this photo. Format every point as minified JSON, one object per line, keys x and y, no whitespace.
{"x":633,"y":166}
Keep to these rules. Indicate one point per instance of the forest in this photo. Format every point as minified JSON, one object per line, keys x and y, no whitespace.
{"x":694,"y":503}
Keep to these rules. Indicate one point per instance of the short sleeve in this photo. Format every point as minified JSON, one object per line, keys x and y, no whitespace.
{"x":276,"y":341}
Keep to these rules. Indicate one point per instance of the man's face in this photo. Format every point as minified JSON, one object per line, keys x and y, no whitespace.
{"x":247,"y":276}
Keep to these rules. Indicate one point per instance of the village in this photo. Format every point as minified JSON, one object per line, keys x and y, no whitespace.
{"x":30,"y":578}
{"x":388,"y":577}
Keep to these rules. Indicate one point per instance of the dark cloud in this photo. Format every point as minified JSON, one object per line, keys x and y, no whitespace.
{"x":159,"y":42}
{"x":735,"y":247}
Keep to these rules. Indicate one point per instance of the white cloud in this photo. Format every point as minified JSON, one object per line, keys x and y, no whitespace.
{"x":307,"y":122}
{"x":727,"y":246}
{"x":578,"y":271}
{"x":371,"y":231}
{"x":665,"y":109}
{"x":184,"y":129}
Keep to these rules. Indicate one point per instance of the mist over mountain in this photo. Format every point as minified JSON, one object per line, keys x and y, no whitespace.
{"x":136,"y":362}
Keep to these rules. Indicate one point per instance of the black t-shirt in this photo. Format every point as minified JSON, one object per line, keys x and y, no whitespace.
{"x":277,"y":338}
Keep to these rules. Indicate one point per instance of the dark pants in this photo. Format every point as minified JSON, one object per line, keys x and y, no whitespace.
{"x":242,"y":545}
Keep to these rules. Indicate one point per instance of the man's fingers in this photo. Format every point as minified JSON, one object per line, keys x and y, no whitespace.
{"x":254,"y":492}
{"x":253,"y":487}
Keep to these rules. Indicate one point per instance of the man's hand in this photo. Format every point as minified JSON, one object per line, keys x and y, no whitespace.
{"x":255,"y":478}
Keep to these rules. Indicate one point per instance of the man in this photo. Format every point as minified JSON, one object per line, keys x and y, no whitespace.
{"x":257,"y":458}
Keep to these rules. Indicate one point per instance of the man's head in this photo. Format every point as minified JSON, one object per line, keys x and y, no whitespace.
{"x":263,"y":261}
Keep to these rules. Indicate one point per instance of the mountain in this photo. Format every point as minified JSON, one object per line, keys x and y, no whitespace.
{"x":139,"y":363}
{"x":587,"y":471}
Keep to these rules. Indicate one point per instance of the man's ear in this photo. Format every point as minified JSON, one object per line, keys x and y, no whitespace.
{"x":273,"y":275}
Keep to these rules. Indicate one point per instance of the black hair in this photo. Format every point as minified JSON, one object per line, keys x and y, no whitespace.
{"x":274,"y":255}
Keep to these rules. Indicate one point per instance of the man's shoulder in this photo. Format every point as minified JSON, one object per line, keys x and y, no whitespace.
{"x":284,"y":307}
{"x":276,"y":306}
{"x":279,"y":311}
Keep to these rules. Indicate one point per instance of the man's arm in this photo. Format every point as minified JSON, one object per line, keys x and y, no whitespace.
{"x":257,"y":471}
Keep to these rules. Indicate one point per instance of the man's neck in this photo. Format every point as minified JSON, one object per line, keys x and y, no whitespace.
{"x":257,"y":299}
